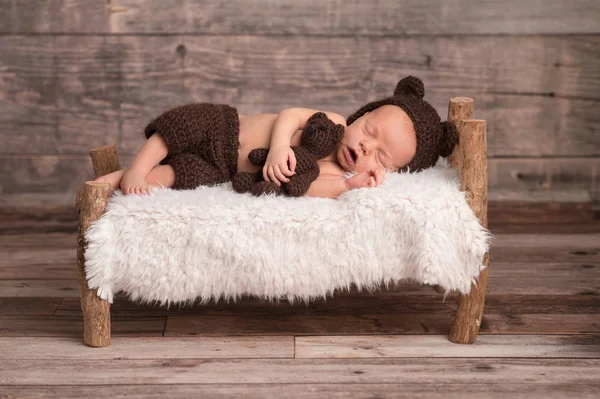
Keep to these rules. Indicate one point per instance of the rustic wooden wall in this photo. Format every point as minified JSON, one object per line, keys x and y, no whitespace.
{"x":75,"y":74}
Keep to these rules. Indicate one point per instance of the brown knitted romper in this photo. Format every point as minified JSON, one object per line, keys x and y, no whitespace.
{"x":202,"y":142}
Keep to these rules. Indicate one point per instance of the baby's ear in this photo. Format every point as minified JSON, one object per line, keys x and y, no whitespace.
{"x":410,"y":85}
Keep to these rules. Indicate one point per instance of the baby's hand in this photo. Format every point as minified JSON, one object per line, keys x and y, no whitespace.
{"x":276,"y":166}
{"x":372,"y":178}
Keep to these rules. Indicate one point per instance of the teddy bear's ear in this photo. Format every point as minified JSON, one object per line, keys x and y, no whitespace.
{"x":410,"y":85}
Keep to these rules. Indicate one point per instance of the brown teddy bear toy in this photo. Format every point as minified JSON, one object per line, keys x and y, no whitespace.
{"x":319,"y":139}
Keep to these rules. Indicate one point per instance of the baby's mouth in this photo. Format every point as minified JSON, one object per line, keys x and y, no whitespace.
{"x":350,"y":155}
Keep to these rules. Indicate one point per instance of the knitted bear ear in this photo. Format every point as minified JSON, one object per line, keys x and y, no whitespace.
{"x":410,"y":85}
{"x":448,"y":140}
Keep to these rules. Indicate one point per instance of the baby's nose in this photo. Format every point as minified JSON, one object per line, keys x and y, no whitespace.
{"x":365,"y":148}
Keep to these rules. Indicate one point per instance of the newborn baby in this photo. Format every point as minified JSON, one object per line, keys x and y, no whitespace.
{"x":206,"y":144}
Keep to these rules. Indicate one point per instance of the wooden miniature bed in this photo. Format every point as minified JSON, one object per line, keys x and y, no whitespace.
{"x":469,"y":158}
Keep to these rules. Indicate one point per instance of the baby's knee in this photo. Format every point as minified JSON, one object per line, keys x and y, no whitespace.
{"x":161,"y":176}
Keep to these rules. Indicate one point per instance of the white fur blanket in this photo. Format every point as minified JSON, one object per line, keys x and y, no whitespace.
{"x":212,"y":243}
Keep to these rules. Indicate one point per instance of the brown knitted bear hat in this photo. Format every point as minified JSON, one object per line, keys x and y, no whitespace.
{"x":434,"y":137}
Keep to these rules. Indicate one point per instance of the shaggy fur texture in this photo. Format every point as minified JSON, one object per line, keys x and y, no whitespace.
{"x":212,"y":243}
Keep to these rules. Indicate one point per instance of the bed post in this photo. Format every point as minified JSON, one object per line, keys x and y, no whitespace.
{"x":90,"y":203}
{"x":470,"y":159}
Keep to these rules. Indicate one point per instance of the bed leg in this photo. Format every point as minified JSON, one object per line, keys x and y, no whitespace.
{"x":470,"y":159}
{"x":467,"y":321}
{"x":91,"y":201}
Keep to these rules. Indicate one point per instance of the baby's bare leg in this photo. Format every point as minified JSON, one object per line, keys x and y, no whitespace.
{"x":159,"y":176}
{"x":151,"y":153}
{"x":114,"y":179}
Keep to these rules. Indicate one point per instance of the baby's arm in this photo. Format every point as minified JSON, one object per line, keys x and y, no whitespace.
{"x":333,"y":185}
{"x":328,"y":186}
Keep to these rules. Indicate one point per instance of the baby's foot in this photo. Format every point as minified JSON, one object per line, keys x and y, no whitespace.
{"x":134,"y":182}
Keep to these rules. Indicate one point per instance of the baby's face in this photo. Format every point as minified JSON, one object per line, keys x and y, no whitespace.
{"x":383,"y":138}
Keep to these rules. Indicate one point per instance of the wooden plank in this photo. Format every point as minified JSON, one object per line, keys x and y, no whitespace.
{"x":362,"y":390}
{"x":362,"y":17}
{"x":27,"y":241}
{"x":306,"y":371}
{"x":364,"y":323}
{"x":40,"y":288}
{"x":397,"y":302}
{"x":38,"y":264}
{"x":527,"y":212}
{"x":61,"y":93}
{"x":428,"y":346}
{"x":311,"y":17}
{"x":544,"y":228}
{"x":29,"y":306}
{"x":53,"y":16}
{"x":424,"y":346}
{"x":540,"y":324}
{"x":52,"y":326}
{"x":527,"y":174}
{"x":546,"y":241}
{"x":37,"y":213}
{"x":152,"y":348}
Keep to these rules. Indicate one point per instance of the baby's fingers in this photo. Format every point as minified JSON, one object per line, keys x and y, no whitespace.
{"x":272,"y":175}
{"x":293,"y":162}
{"x":285,"y":170}
{"x":280,"y":176}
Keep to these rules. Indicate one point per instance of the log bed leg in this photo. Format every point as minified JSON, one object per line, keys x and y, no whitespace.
{"x":470,"y":158}
{"x":91,"y":202}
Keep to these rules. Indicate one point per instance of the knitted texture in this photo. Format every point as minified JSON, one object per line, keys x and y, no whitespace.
{"x":202,"y":142}
{"x":434,"y":138}
{"x":319,"y":139}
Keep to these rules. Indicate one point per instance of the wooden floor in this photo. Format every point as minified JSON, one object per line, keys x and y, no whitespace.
{"x":540,"y":335}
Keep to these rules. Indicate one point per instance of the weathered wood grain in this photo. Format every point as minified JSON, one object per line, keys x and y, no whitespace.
{"x":52,"y":326}
{"x":312,"y":17}
{"x":64,"y":94}
{"x":545,"y":228}
{"x":177,"y":348}
{"x":363,"y":390}
{"x":524,"y":212}
{"x":335,"y":324}
{"x":497,"y":346}
{"x":37,"y":306}
{"x":54,"y":288}
{"x":430,"y":346}
{"x":38,"y":264}
{"x":53,"y":16}
{"x":306,"y":371}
